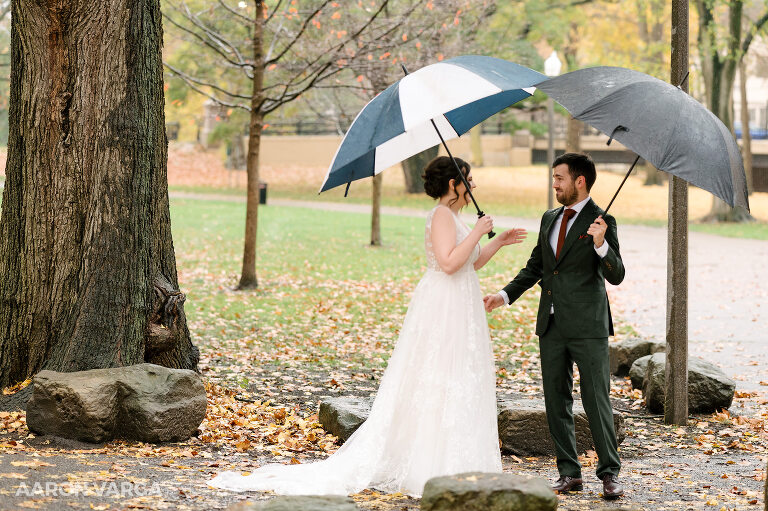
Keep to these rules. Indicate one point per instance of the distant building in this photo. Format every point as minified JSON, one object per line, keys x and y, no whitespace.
{"x":757,"y":91}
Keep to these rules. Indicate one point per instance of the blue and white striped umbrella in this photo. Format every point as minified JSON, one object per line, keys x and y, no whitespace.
{"x":456,"y":94}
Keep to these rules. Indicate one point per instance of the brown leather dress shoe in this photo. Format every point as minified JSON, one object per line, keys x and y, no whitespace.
{"x":568,"y":483}
{"x":611,"y":487}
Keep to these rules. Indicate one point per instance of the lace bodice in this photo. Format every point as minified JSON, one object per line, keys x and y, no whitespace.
{"x":462,"y":231}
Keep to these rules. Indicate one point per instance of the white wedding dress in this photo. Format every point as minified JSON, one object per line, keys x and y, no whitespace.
{"x":435,"y":410}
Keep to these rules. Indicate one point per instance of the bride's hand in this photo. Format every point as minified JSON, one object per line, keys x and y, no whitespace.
{"x":484,"y":225}
{"x":512,"y":236}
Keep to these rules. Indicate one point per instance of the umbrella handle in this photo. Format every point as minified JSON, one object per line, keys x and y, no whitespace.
{"x":480,"y":214}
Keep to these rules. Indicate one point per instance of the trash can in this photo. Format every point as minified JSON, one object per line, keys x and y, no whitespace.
{"x":262,"y":192}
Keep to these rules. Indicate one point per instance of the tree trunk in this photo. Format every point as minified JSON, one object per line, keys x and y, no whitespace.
{"x":413,"y":168}
{"x":746,"y":136}
{"x":573,"y":135}
{"x":653,"y":176}
{"x":476,"y":146}
{"x":87,"y":269}
{"x":248,"y":279}
{"x":376,"y":210}
{"x":719,"y":77}
{"x":236,"y":157}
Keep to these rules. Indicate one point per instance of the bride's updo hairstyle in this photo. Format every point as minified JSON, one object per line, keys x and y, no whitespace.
{"x":439,"y":172}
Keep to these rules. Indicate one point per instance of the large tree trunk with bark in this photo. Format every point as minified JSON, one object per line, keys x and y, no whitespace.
{"x":248,"y":279}
{"x":87,"y":267}
{"x":476,"y":146}
{"x":573,"y":135}
{"x":719,"y":77}
{"x":413,"y":169}
{"x":746,"y":136}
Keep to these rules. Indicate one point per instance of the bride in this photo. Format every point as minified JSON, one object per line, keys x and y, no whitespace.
{"x":435,"y":410}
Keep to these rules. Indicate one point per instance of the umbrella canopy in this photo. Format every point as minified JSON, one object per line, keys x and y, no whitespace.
{"x":659,"y":122}
{"x":456,"y":94}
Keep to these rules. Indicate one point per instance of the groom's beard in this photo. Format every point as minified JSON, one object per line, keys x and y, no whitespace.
{"x":568,"y":197}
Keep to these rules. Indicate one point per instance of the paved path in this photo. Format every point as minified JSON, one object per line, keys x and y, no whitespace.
{"x":728,"y":289}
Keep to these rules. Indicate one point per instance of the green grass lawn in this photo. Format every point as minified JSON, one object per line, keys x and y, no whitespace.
{"x":753,"y":230}
{"x":325,"y":297}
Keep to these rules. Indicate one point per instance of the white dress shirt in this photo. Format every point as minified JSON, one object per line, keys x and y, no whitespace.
{"x":555,"y":232}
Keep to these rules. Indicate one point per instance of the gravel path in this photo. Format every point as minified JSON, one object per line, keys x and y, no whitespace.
{"x":728,"y":289}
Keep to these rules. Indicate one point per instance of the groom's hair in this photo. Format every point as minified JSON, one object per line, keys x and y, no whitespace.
{"x":578,"y":165}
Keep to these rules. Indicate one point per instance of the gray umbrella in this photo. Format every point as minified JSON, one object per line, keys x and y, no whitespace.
{"x":659,"y":122}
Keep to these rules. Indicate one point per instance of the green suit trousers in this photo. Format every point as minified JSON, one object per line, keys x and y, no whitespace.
{"x":558,"y":353}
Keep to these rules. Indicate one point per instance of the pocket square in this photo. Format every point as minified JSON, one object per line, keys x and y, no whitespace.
{"x":583,"y":236}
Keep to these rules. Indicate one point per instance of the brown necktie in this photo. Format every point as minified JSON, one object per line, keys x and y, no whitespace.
{"x":567,"y":215}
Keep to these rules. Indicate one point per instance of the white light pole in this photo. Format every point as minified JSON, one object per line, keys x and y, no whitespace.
{"x":551,"y":68}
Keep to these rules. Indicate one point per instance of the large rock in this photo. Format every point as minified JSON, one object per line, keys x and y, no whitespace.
{"x":638,"y":371}
{"x":709,"y":389}
{"x":144,"y":402}
{"x":478,"y":491}
{"x":298,"y":503}
{"x":623,"y":354}
{"x":523,"y":428}
{"x":341,"y":416}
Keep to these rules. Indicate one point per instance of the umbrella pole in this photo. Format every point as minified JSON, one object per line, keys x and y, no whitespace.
{"x":622,"y":184}
{"x":480,"y":214}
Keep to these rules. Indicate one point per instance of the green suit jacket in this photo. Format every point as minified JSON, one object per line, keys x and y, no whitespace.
{"x":575,"y":283}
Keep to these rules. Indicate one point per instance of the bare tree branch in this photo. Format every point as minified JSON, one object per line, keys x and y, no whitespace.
{"x":753,"y":31}
{"x":299,"y":34}
{"x":5,"y":8}
{"x":244,"y":19}
{"x":214,"y":36}
{"x":286,"y":98}
{"x":215,"y":98}
{"x":198,"y":81}
{"x":208,"y":44}
{"x":274,"y":11}
{"x":575,"y":3}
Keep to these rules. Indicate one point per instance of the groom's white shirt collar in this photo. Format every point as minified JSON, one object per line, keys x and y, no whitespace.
{"x":601,"y":252}
{"x":577,"y":207}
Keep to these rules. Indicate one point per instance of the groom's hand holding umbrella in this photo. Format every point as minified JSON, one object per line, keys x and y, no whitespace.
{"x":597,"y":231}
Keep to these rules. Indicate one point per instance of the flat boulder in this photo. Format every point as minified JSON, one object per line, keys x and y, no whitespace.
{"x":523,"y":428}
{"x":478,"y":491}
{"x":341,"y":416}
{"x":624,"y":353}
{"x":144,"y":402}
{"x":709,"y":389}
{"x":298,"y":502}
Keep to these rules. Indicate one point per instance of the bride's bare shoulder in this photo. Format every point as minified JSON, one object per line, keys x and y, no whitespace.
{"x":443,"y":218}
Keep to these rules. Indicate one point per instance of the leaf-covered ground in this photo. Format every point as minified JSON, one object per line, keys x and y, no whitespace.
{"x":323,"y":323}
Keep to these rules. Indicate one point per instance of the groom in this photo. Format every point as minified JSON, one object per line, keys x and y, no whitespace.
{"x":577,"y":250}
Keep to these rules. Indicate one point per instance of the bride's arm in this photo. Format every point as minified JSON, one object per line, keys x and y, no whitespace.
{"x":451,"y":257}
{"x":509,"y":237}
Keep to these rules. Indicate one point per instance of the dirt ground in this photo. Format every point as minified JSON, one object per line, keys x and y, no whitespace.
{"x":716,"y":462}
